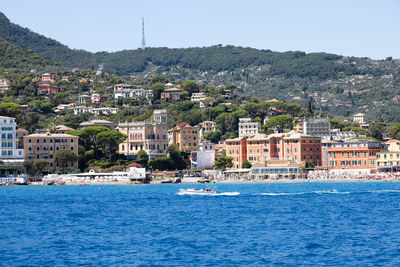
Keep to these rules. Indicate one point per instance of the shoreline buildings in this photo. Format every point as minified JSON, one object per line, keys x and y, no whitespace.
{"x":148,"y":136}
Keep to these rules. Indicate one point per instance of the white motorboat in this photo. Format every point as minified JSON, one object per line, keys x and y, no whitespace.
{"x":205,"y":192}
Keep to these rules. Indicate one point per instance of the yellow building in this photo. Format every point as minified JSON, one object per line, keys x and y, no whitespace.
{"x":185,"y":136}
{"x":389,"y":158}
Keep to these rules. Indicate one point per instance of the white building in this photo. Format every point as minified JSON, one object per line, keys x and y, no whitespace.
{"x":359,"y":118}
{"x":4,"y":85}
{"x":197,"y":97}
{"x":202,"y":159}
{"x":64,"y":107}
{"x":206,"y":126}
{"x":206,"y":146}
{"x":95,"y":111}
{"x":320,"y":127}
{"x":132,"y":93}
{"x":247,"y":127}
{"x":342,"y":136}
{"x":8,"y":140}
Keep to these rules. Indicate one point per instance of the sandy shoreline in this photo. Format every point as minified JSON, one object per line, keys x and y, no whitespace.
{"x":240,"y":182}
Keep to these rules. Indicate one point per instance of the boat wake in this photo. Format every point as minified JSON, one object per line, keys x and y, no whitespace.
{"x":303,"y":193}
{"x":192,"y":192}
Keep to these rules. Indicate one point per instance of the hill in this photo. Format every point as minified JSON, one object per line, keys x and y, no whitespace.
{"x":12,"y":56}
{"x":336,"y":84}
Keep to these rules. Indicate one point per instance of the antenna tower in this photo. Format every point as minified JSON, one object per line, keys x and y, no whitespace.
{"x":143,"y":41}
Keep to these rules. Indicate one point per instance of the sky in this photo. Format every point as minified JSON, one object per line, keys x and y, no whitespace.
{"x":367,"y":28}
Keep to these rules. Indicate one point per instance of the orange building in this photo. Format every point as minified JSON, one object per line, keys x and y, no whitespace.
{"x":291,"y":146}
{"x":48,"y":78}
{"x":237,"y":149}
{"x":48,"y":88}
{"x":353,"y":155}
{"x":185,"y":136}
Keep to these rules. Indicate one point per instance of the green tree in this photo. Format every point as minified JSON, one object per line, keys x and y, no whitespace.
{"x":142,"y":158}
{"x":280,"y":122}
{"x":246,"y":164}
{"x":223,"y":162}
{"x":376,"y":129}
{"x":394,"y":130}
{"x":88,"y":138}
{"x":157,"y":90}
{"x":65,"y":157}
{"x":158,"y":78}
{"x":29,"y":167}
{"x":40,"y":164}
{"x":213,"y":136}
{"x":190,"y":87}
{"x":109,"y":141}
{"x":10,"y":109}
{"x":309,"y":164}
{"x":161,"y":164}
{"x":177,"y":157}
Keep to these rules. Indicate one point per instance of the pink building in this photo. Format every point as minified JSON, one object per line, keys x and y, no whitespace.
{"x":48,"y":78}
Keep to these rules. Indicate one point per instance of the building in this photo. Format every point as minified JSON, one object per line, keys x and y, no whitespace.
{"x":4,"y":85}
{"x":97,"y":99}
{"x":104,"y":123}
{"x":185,"y":136}
{"x":342,"y":136}
{"x":64,"y":107}
{"x":20,"y":133}
{"x":106,"y":111}
{"x":389,"y":158}
{"x":48,"y":78}
{"x":258,"y":149}
{"x":172,"y":94}
{"x":237,"y":149}
{"x":202,"y":159}
{"x":353,"y":155}
{"x":359,"y":118}
{"x":197,"y":97}
{"x":83,"y":99}
{"x":48,"y":89}
{"x":247,"y":127}
{"x":9,"y":152}
{"x":206,"y":126}
{"x":62,"y":129}
{"x":148,"y":136}
{"x":45,"y":146}
{"x":320,"y":127}
{"x":132,"y":93}
{"x":206,"y":146}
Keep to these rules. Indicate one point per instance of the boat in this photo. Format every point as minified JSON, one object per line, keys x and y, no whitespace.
{"x":202,"y":191}
{"x":205,"y":192}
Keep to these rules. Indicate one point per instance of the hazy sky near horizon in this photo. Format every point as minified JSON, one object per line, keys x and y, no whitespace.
{"x":365,"y":28}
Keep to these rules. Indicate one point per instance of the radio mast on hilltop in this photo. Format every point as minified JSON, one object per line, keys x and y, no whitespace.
{"x":143,"y":41}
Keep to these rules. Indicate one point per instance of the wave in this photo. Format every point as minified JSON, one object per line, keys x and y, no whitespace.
{"x":303,"y":193}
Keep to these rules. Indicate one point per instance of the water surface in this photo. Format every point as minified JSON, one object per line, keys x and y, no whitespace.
{"x":284,"y":224}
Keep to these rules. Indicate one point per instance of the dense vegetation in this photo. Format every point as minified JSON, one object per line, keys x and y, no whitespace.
{"x":331,"y":83}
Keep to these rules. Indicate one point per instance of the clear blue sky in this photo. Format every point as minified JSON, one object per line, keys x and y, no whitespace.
{"x":347,"y":27}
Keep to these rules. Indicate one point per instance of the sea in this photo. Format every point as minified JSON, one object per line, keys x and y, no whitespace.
{"x":277,"y":224}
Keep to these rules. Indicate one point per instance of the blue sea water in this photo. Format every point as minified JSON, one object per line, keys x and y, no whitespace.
{"x":351,"y":224}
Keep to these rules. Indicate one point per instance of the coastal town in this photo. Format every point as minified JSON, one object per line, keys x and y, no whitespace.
{"x":241,"y":139}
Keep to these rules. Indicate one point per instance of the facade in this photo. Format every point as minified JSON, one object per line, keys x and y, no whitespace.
{"x":206,"y":126}
{"x":148,"y":136}
{"x":206,"y":146}
{"x":64,"y":107}
{"x":185,"y":136}
{"x":247,"y":127}
{"x":48,"y":78}
{"x":258,"y":149}
{"x":389,"y":157}
{"x":320,"y":127}
{"x":202,"y":159}
{"x":4,"y":85}
{"x":132,"y":93}
{"x":8,"y":140}
{"x":106,"y":111}
{"x":20,"y":133}
{"x":83,"y":99}
{"x":45,"y":146}
{"x":197,"y":97}
{"x":237,"y":149}
{"x":342,"y":136}
{"x":353,"y":155}
{"x":48,"y":89}
{"x":97,"y":99}
{"x":172,"y":94}
{"x":359,"y":118}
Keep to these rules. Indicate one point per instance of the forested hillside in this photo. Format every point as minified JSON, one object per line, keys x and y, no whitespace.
{"x":333,"y":83}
